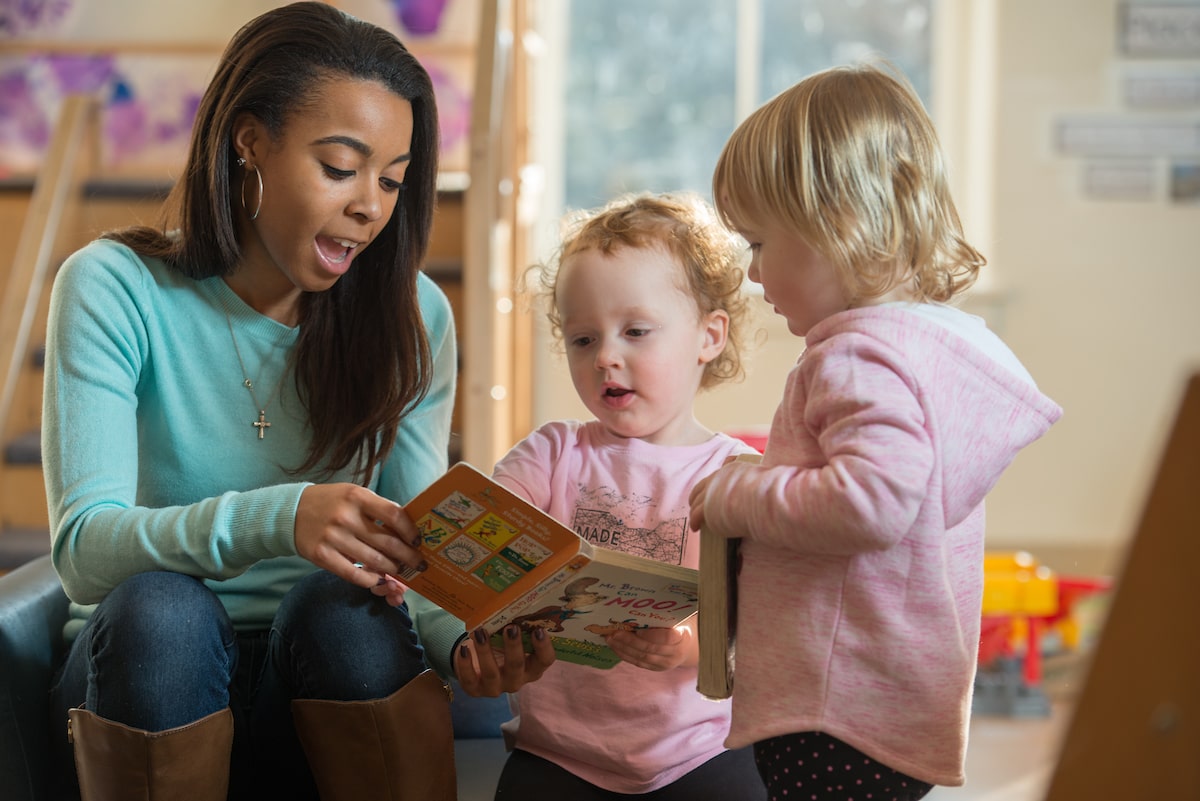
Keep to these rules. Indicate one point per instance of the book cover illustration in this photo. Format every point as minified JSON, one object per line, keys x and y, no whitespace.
{"x":494,"y":559}
{"x":599,"y":598}
{"x":484,"y":546}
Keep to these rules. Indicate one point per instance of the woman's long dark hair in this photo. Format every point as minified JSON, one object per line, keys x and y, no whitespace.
{"x":370,"y":319}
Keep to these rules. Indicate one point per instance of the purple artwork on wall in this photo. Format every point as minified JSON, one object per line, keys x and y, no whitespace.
{"x":33,"y":89}
{"x":150,"y":115}
{"x":149,"y":100}
{"x":21,"y":118}
{"x":419,"y":16}
{"x":19,"y":17}
{"x":453,"y":105}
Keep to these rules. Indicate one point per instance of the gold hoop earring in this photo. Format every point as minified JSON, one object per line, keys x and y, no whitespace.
{"x":253,"y":171}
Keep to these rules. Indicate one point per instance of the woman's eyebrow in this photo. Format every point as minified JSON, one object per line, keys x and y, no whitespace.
{"x":357,"y":145}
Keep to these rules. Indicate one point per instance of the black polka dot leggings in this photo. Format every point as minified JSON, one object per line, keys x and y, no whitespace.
{"x":811,"y":766}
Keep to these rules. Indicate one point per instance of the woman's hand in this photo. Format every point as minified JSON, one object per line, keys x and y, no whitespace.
{"x":657,"y":648}
{"x":356,"y":534}
{"x":485,"y":671}
{"x":389,"y":587}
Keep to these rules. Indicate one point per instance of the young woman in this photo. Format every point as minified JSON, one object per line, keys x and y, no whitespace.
{"x":236,"y":405}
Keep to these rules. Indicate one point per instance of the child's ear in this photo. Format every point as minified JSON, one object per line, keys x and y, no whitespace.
{"x":716,"y":333}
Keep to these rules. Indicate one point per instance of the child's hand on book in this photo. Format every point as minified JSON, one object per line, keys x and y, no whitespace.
{"x":699,"y":491}
{"x":696,"y":501}
{"x":656,"y":648}
{"x":486,"y":671}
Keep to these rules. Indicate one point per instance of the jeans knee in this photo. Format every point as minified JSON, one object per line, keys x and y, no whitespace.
{"x":157,"y":653}
{"x":321,"y":605}
{"x":337,"y":640}
{"x":167,"y":614}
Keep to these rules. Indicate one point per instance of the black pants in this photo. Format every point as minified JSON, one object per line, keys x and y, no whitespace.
{"x":729,"y":776}
{"x":812,"y":765}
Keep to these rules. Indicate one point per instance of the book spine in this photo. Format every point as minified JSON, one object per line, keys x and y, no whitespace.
{"x":717,"y":621}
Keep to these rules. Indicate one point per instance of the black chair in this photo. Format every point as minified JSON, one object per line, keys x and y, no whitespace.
{"x":33,"y":610}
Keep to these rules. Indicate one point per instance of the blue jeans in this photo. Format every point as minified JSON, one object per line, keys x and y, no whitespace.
{"x":160,"y":651}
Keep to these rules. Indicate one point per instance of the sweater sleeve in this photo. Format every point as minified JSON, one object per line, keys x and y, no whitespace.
{"x":98,"y":352}
{"x":848,"y":462}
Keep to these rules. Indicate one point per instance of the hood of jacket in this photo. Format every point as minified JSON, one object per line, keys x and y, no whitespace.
{"x":980,"y":412}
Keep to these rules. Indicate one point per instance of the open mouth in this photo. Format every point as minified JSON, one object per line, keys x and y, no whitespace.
{"x":336,"y":251}
{"x":616,"y":398}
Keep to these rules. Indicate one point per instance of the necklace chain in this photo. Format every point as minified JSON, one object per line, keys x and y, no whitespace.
{"x":261,"y":423}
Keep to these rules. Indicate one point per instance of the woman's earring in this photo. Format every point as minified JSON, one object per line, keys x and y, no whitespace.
{"x":258,"y":175}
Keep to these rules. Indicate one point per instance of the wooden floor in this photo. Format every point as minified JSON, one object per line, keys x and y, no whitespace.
{"x":479,"y":763}
{"x":1009,"y":759}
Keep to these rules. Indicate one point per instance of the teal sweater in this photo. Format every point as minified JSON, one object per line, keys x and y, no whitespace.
{"x":153,"y":462}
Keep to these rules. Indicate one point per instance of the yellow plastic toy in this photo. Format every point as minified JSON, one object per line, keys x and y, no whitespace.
{"x":1023,"y":599}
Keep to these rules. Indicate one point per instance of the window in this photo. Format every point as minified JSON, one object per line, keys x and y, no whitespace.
{"x":652,"y":88}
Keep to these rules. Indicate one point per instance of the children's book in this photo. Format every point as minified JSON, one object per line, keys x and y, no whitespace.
{"x":495,"y":559}
{"x":717,"y":624}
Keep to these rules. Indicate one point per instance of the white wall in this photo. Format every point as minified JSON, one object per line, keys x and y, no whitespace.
{"x":210,"y":23}
{"x":1098,"y":298}
{"x":1103,"y":293}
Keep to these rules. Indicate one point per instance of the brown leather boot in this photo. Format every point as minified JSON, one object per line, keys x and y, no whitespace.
{"x":399,"y":748}
{"x":115,"y":761}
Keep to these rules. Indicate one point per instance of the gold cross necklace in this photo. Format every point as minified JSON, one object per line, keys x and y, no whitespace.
{"x":261,"y":423}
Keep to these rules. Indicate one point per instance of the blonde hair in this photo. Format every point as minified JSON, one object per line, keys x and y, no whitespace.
{"x":684,"y":225}
{"x":850,"y":161}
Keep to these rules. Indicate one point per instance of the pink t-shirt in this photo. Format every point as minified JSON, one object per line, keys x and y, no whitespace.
{"x":627,"y":729}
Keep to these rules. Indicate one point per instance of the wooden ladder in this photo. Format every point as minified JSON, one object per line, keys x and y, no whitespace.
{"x":51,"y":212}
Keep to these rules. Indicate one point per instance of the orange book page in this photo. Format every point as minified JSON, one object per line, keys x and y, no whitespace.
{"x":485,"y":546}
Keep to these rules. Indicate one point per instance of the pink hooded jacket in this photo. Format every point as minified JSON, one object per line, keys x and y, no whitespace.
{"x":862,"y":557}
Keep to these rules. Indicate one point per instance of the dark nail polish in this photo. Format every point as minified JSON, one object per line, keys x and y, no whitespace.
{"x":512,"y":632}
{"x":421,"y":568}
{"x":539,"y":634}
{"x":464,"y":651}
{"x":480,"y":636}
